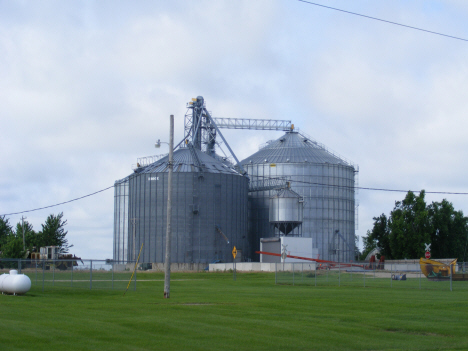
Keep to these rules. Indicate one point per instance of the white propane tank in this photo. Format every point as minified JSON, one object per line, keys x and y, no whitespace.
{"x":14,"y":283}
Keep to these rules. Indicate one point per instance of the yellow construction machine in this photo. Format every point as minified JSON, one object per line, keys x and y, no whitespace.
{"x":436,"y":270}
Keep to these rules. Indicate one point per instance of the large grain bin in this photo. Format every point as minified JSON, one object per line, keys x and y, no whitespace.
{"x":121,"y":220}
{"x":209,"y":210}
{"x":323,"y":180}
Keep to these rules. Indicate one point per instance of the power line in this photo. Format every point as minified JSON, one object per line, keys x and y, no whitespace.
{"x":265,"y":177}
{"x":382,"y":20}
{"x":361,"y":188}
{"x":61,"y":203}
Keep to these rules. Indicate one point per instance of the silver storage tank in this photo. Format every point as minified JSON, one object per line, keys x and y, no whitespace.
{"x":286,"y":212}
{"x":206,"y":199}
{"x":121,"y":219}
{"x":323,"y":180}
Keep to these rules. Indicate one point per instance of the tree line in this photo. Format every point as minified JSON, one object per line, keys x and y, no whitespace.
{"x":413,"y":223}
{"x":53,"y":233}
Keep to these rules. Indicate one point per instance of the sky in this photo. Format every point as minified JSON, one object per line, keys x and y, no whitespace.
{"x":87,"y":87}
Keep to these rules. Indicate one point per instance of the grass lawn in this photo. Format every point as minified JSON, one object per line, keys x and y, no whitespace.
{"x":210,"y":311}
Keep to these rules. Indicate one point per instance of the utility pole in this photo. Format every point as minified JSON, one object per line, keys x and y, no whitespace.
{"x":22,"y":225}
{"x":167,"y":262}
{"x":134,"y":220}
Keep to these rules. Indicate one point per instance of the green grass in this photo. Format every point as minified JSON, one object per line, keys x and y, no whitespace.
{"x":369,"y":279}
{"x":210,"y":311}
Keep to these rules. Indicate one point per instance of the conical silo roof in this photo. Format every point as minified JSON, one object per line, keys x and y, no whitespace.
{"x":293,"y":147}
{"x":286,"y":193}
{"x":188,"y":159}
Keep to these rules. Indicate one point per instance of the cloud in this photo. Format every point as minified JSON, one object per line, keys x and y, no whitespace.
{"x":87,"y":88}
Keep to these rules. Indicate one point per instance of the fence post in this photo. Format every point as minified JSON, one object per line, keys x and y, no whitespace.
{"x":391,"y":272}
{"x":234,"y":269}
{"x":72,"y":274}
{"x":43,"y":275}
{"x":112,"y":275}
{"x":276,"y":273}
{"x":19,"y":266}
{"x":53,"y":274}
{"x":451,"y":273}
{"x":36,"y":271}
{"x":364,"y":277}
{"x":302,"y":272}
{"x":315,"y":273}
{"x":91,"y":275}
{"x":293,"y":271}
{"x":134,"y":286}
{"x":339,"y":274}
{"x":419,"y":279}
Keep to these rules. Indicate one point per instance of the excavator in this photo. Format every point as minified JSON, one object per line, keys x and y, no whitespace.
{"x":437,"y":271}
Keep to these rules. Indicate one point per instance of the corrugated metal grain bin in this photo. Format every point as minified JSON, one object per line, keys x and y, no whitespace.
{"x":204,"y":198}
{"x":324,"y":181}
{"x":121,"y":220}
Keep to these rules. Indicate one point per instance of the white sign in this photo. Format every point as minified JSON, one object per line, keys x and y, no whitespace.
{"x":428,"y":247}
{"x":284,"y":254}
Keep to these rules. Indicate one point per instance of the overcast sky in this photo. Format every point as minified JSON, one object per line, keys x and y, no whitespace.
{"x":87,"y":87}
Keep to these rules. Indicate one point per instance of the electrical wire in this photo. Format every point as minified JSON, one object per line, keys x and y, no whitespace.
{"x":265,"y":177}
{"x":341,"y":186}
{"x":363,"y":188}
{"x":382,"y":20}
{"x":61,"y":203}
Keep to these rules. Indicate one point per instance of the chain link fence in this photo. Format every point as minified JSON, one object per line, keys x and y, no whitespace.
{"x":367,"y":275}
{"x":73,"y":273}
{"x":106,"y":274}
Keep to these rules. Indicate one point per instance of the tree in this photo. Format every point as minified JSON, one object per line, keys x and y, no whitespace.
{"x":13,"y":247}
{"x":412,"y":224}
{"x":378,"y":237}
{"x":5,"y":230}
{"x":369,"y":244}
{"x":449,"y":230}
{"x":409,"y":227}
{"x":54,"y":234}
{"x":357,"y":253}
{"x":29,"y":234}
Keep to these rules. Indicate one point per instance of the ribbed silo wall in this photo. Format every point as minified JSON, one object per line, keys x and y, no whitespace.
{"x":200,"y":201}
{"x":329,"y":205}
{"x":120,"y":220}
